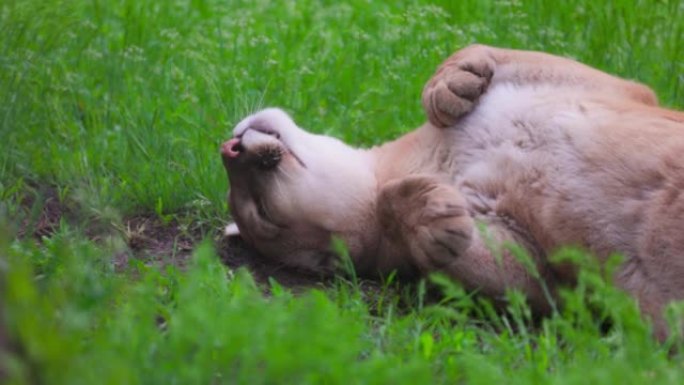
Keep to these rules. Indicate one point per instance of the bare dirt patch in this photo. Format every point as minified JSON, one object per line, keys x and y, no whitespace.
{"x":163,"y":244}
{"x":152,"y":241}
{"x":42,"y":213}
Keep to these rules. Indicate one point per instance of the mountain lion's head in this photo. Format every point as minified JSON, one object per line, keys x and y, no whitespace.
{"x":291,"y":191}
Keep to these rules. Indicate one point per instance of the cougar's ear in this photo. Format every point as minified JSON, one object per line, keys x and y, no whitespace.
{"x":231,"y":230}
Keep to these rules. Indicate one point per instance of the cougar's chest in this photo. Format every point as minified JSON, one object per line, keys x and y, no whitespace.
{"x":512,"y":148}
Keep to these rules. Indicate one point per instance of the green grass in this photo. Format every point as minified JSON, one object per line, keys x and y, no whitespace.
{"x":119,"y":109}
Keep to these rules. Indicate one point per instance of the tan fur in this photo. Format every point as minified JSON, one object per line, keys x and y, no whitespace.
{"x":533,"y":149}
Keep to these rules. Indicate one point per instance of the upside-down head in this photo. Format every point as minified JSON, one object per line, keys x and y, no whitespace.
{"x":292,"y":191}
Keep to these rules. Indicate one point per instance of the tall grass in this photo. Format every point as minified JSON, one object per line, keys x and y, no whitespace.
{"x":120,"y":108}
{"x":76,"y":322}
{"x":127,"y":103}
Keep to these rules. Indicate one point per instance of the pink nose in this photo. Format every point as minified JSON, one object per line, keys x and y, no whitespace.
{"x":231,"y":148}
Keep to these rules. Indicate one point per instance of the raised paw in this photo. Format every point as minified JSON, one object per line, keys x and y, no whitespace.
{"x":458,"y":84}
{"x":428,"y":218}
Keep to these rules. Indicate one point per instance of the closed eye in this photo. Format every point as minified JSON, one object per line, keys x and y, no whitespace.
{"x":267,"y":131}
{"x":264,"y":129}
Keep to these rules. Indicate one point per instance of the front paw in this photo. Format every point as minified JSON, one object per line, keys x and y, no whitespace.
{"x":458,"y":84}
{"x":427,"y":217}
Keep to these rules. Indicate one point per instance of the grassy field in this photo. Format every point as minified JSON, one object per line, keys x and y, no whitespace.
{"x":111,"y":114}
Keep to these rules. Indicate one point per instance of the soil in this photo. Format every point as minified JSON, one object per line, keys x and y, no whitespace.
{"x":148,"y":239}
{"x":43,"y":212}
{"x":153,"y":241}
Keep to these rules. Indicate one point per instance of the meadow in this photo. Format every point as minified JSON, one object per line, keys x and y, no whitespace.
{"x":112,"y":193}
